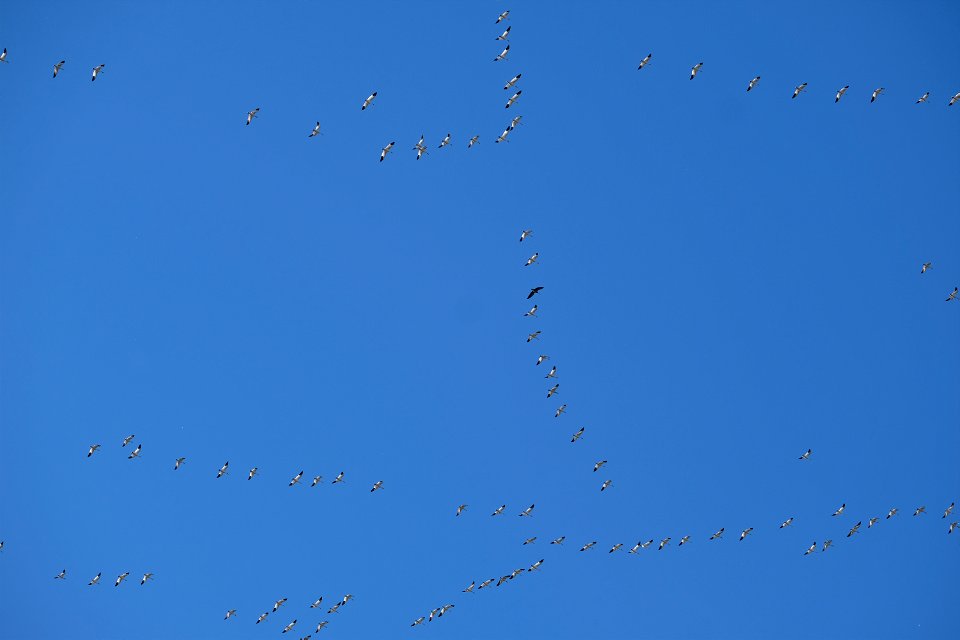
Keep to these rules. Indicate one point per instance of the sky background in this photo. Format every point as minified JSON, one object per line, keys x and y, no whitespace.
{"x":730,"y":279}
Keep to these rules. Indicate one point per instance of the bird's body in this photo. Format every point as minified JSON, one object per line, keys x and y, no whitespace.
{"x":807,"y":454}
{"x":250,"y":475}
{"x":223,"y":470}
{"x":512,"y":81}
{"x":892,"y":513}
{"x":923,"y":98}
{"x":718,"y":534}
{"x":606,"y":483}
{"x":811,"y":549}
{"x":532,"y":259}
{"x":146,"y":576}
{"x":840,"y":510}
{"x":534,"y":291}
{"x":954,"y":99}
{"x":827,"y":544}
{"x":473,"y":141}
{"x":178,"y":462}
{"x":787,"y":522}
{"x":338,"y":479}
{"x":290,"y":626}
{"x":948,"y":511}
{"x":589,"y":545}
{"x":840,"y":93}
{"x":645,"y":61}
{"x":753,"y":83}
{"x":599,"y":464}
{"x":127,"y":440}
{"x":532,"y":313}
{"x":316,"y":480}
{"x":919,"y":510}
{"x":3,"y":57}
{"x":534,"y":336}
{"x":505,"y":35}
{"x":502,"y":16}
{"x":684,"y":540}
{"x":386,"y":150}
{"x":615,"y":547}
{"x":296,"y":479}
{"x":536,"y":565}
{"x":461,"y":509}
{"x":558,"y":540}
{"x":444,"y":142}
{"x":95,"y":579}
{"x":561,"y":409}
{"x":552,"y":390}
{"x":542,"y":358}
{"x":663,"y":543}
{"x":953,"y":295}
{"x":278,"y":604}
{"x":924,"y":267}
{"x":526,"y":233}
{"x":316,"y":603}
{"x":577,"y":436}
{"x":320,"y":625}
{"x":854,"y":529}
{"x":121,"y":578}
{"x":368,"y":101}
{"x":530,"y":540}
{"x":799,"y":89}
{"x":263,"y":616}
{"x":97,"y":70}
{"x":251,"y":115}
{"x":528,"y":511}
{"x":872,"y":521}
{"x":135,"y":453}
{"x":93,"y":449}
{"x":230,"y":614}
{"x":876,"y":93}
{"x":470,"y":588}
{"x":418,"y":621}
{"x":376,"y":486}
{"x":695,"y":70}
{"x":503,"y":54}
{"x":746,"y":532}
{"x":57,"y":67}
{"x":316,"y":130}
{"x":499,"y":510}
{"x":953,"y":525}
{"x":513,"y":99}
{"x":486,"y":583}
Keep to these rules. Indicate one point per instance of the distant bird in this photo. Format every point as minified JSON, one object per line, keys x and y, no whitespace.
{"x":320,"y":626}
{"x":589,"y":545}
{"x":433,"y":614}
{"x":746,"y":532}
{"x":502,"y":16}
{"x":787,"y":522}
{"x":420,"y":147}
{"x":316,"y":603}
{"x":840,"y":93}
{"x":529,"y":541}
{"x":230,"y":613}
{"x":296,"y":479}
{"x":854,"y":529}
{"x":840,"y":510}
{"x":445,"y":608}
{"x":505,"y":35}
{"x":386,"y":150}
{"x":250,"y":475}
{"x":502,"y":54}
{"x":718,"y":534}
{"x":577,"y":436}
{"x":615,"y":547}
{"x":948,"y":511}
{"x":827,"y":544}
{"x":924,"y":267}
{"x":95,"y":580}
{"x":513,"y":99}
{"x":534,"y":291}
{"x":290,"y":626}
{"x":606,"y":483}
{"x":485,"y":583}
{"x":127,"y":440}
{"x":534,"y":336}
{"x":135,"y":453}
{"x":470,"y":588}
{"x":63,"y":573}
{"x":121,"y":578}
{"x":811,"y":548}
{"x":954,"y":99}
{"x":316,"y":130}
{"x":561,"y":409}
{"x":876,"y":93}
{"x":526,"y":233}
{"x":252,"y":114}
{"x":512,"y":81}
{"x":646,"y":544}
{"x":473,"y":141}
{"x":377,"y":485}
{"x":368,"y":101}
{"x":532,"y":313}
{"x":316,"y":480}
{"x":953,"y":525}
{"x":461,"y":509}
{"x":444,"y":142}
{"x":418,"y":621}
{"x":923,"y":98}
{"x":684,"y":540}
{"x":532,"y":259}
{"x":695,"y":70}
{"x":56,"y":67}
{"x":800,"y":89}
{"x":263,"y":616}
{"x":536,"y":565}
{"x":528,"y":511}
{"x":146,"y":576}
{"x":503,"y":136}
{"x":753,"y":83}
{"x":807,"y":454}
{"x":516,"y":121}
{"x":339,"y":478}
{"x":97,"y":70}
{"x":552,"y":390}
{"x":542,"y":358}
{"x":552,"y":373}
{"x":178,"y":462}
{"x":347,"y":598}
{"x":223,"y":470}
{"x":3,"y":55}
{"x":499,"y":510}
{"x":334,"y":608}
{"x":891,"y":513}
{"x":558,"y":540}
{"x":278,"y":604}
{"x":599,"y":464}
{"x":663,"y":543}
{"x":645,"y":61}
{"x":93,"y":448}
{"x":953,"y":294}
{"x":872,"y":521}
{"x":635,"y":548}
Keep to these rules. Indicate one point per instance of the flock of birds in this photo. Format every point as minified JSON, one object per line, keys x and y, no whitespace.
{"x":551,"y":375}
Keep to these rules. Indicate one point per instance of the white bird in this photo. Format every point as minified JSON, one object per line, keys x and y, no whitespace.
{"x":532,"y":313}
{"x":339,"y":478}
{"x":316,"y":480}
{"x":263,"y":616}
{"x":528,"y":511}
{"x":811,"y":548}
{"x":135,"y":453}
{"x":683,"y":540}
{"x":876,"y":93}
{"x":645,"y":61}
{"x":536,"y":565}
{"x":230,"y":613}
{"x":503,"y":136}
{"x":320,"y":626}
{"x":827,"y":544}
{"x":418,"y":621}
{"x":561,"y":409}
{"x":386,"y":150}
{"x":461,"y":509}
{"x":444,"y":142}
{"x":252,"y":114}
{"x":753,"y":83}
{"x":290,"y":626}
{"x":924,"y":267}
{"x":97,"y":70}
{"x":718,"y":534}
{"x":663,"y":543}
{"x":127,"y":440}
{"x":948,"y":511}
{"x":872,"y":521}
{"x":854,"y":529}
{"x":95,"y":580}
{"x":800,"y":89}
{"x":316,"y":603}
{"x":433,"y":614}
{"x":558,"y":540}
{"x":577,"y":436}
{"x":840,"y":93}
{"x":3,"y":55}
{"x":445,"y":608}
{"x":953,"y":295}
{"x":368,"y":101}
{"x":250,"y":475}
{"x":615,"y":547}
{"x":606,"y":483}
{"x":93,"y":448}
{"x":485,"y":583}
{"x":923,"y":98}
{"x":499,"y":510}
{"x":646,"y":544}
{"x":316,"y":130}
{"x":532,"y":259}
{"x":787,"y":522}
{"x":954,"y":99}
{"x":534,"y":336}
{"x":542,"y":358}
{"x":695,"y":70}
{"x":513,"y":99}
{"x":347,"y":598}
{"x":526,"y":233}
{"x":953,"y":525}
{"x":746,"y":532}
{"x":505,"y":35}
{"x":892,"y":513}
{"x":61,"y":576}
{"x":278,"y":604}
{"x":635,"y":548}
{"x":552,"y":390}
{"x":223,"y":470}
{"x":470,"y":588}
{"x":552,"y":373}
{"x":473,"y":141}
{"x":840,"y":510}
{"x":334,"y":608}
{"x":377,"y":485}
{"x":512,"y":81}
{"x":121,"y":578}
{"x":599,"y":464}
{"x":502,"y":16}
{"x":529,"y":541}
{"x":146,"y":576}
{"x":178,"y":462}
{"x":806,"y":454}
{"x":515,"y":121}
{"x":296,"y":479}
{"x":56,"y":67}
{"x":502,"y":54}
{"x":589,"y":545}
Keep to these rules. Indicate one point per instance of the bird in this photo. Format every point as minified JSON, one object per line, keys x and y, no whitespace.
{"x":528,"y":511}
{"x":526,"y":233}
{"x":56,"y":67}
{"x":376,"y":485}
{"x":320,"y":625}
{"x":954,"y":99}
{"x":368,"y":101}
{"x":552,"y":373}
{"x":473,"y":141}
{"x":97,"y":70}
{"x":263,"y":616}
{"x":296,"y":479}
{"x":872,"y":521}
{"x":646,"y":544}
{"x":461,"y":509}
{"x":226,"y":464}
{"x":513,"y":99}
{"x":420,"y":148}
{"x":695,"y":70}
{"x":135,"y":453}
{"x":250,"y":475}
{"x":433,"y":613}
{"x":530,"y":541}
{"x":718,"y":534}
{"x":536,"y":565}
{"x":827,"y":544}
{"x":505,"y":35}
{"x":663,"y":543}
{"x":146,"y":576}
{"x":615,"y":547}
{"x":920,"y":510}
{"x":485,"y":583}
{"x":470,"y":588}
{"x":3,"y":55}
{"x":534,"y":291}
{"x":339,"y":478}
{"x":93,"y":448}
{"x":230,"y":613}
{"x":532,"y":313}
{"x":753,"y":83}
{"x":418,"y":621}
{"x":811,"y":548}
{"x":645,"y":61}
{"x":599,"y":464}
{"x":534,"y":336}
{"x":121,"y":578}
{"x":953,"y":294}
{"x":278,"y":604}
{"x":316,"y":480}
{"x":347,"y":598}
{"x":636,"y":548}
{"x":577,"y":436}
{"x":334,"y":608}
{"x":589,"y":545}
{"x":876,"y":93}
{"x":800,"y":88}
{"x":948,"y":511}
{"x":515,"y":121}
{"x":807,"y":454}
{"x":953,"y":525}
{"x":316,"y":130}
{"x":684,"y":540}
{"x":95,"y":579}
{"x":502,"y":16}
{"x":503,"y":136}
{"x":252,"y":114}
{"x":923,"y":98}
{"x":61,"y":576}
{"x":316,"y":603}
{"x":787,"y":522}
{"x":290,"y":626}
{"x":840,"y":510}
{"x":745,"y":532}
{"x":840,"y":93}
{"x":445,"y":608}
{"x":558,"y":540}
{"x":924,"y":267}
{"x":178,"y":462}
{"x":512,"y":81}
{"x":552,"y":390}
{"x":561,"y":409}
{"x":532,"y":259}
{"x":854,"y":529}
{"x":499,"y":510}
{"x":891,"y":513}
{"x":502,"y":54}
{"x":386,"y":150}
{"x":444,"y":142}
{"x":542,"y":358}
{"x":127,"y":440}
{"x":606,"y":483}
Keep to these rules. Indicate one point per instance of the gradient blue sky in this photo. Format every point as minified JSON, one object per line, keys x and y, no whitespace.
{"x":730,"y":278}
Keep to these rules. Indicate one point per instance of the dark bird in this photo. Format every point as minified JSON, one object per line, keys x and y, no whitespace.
{"x":537,"y":290}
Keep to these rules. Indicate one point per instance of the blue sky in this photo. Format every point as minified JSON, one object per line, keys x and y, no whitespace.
{"x":730,"y":279}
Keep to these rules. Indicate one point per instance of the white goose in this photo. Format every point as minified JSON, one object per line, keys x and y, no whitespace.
{"x":252,"y":114}
{"x":532,"y":259}
{"x":296,"y":479}
{"x":290,"y":626}
{"x":787,"y":522}
{"x":223,"y":470}
{"x":534,"y":336}
{"x":505,"y":35}
{"x":718,"y":534}
{"x":536,"y":565}
{"x":57,"y":67}
{"x":502,"y":16}
{"x":515,"y":122}
{"x":645,"y":61}
{"x":470,"y":588}
{"x":599,"y":464}
{"x":444,"y":142}
{"x":746,"y":532}
{"x":560,"y":410}
{"x":695,"y":70}
{"x":606,"y":483}
{"x":552,"y":373}
{"x":923,"y":98}
{"x":61,"y":576}
{"x":135,"y":453}
{"x":552,"y":390}
{"x":589,"y":545}
{"x":503,"y":136}
{"x":526,"y":233}
{"x":461,"y":509}
{"x":512,"y":81}
{"x":473,"y":141}
{"x":127,"y":440}
{"x":811,"y":548}
{"x":250,"y":475}
{"x":338,"y":479}
{"x":368,"y":101}
{"x":386,"y":150}
{"x":753,"y":83}
{"x":316,"y":130}
{"x":800,"y":89}
{"x":503,"y":54}
{"x":577,"y":436}
{"x":93,"y":449}
{"x":3,"y":55}
{"x":316,"y":480}
{"x":377,"y":486}
{"x":121,"y":578}
{"x":806,"y":454}
{"x":230,"y":614}
{"x":532,"y":313}
{"x":499,"y":510}
{"x":97,"y":70}
{"x":95,"y":580}
{"x":876,"y":93}
{"x":954,"y":99}
{"x":558,"y":540}
{"x":840,"y":93}
{"x":178,"y":462}
{"x":513,"y":99}
{"x":542,"y":358}
{"x":616,"y":547}
{"x":528,"y":511}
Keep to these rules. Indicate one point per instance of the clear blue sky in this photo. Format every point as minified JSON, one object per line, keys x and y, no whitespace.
{"x":730,"y":279}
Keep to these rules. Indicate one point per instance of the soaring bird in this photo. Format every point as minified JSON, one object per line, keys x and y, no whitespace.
{"x":923,"y":98}
{"x":854,"y":529}
{"x":121,"y":578}
{"x":223,"y":470}
{"x":684,"y":540}
{"x":840,"y":510}
{"x":526,"y":233}
{"x":528,"y":511}
{"x":529,"y":541}
{"x":787,"y":522}
{"x":718,"y":534}
{"x":505,"y":35}
{"x":502,"y":54}
{"x":953,"y":294}
{"x":499,"y":510}
{"x":561,"y":409}
{"x":800,"y":89}
{"x":470,"y":588}
{"x":433,"y":614}
{"x":840,"y":93}
{"x":178,"y":462}
{"x":872,"y":521}
{"x":536,"y":565}
{"x":316,"y":130}
{"x":827,"y":544}
{"x":954,"y":99}
{"x":532,"y":259}
{"x":552,"y":390}
{"x":542,"y":358}
{"x":316,"y":603}
{"x":56,"y":67}
{"x":615,"y":547}
{"x":316,"y":480}
{"x":807,"y":454}
{"x":445,"y":608}
{"x":746,"y":532}
{"x":558,"y":540}
{"x":418,"y":621}
{"x":377,"y":485}
{"x":230,"y":613}
{"x":635,"y":548}
{"x":577,"y":436}
{"x":753,"y":83}
{"x":127,"y":440}
{"x":486,"y":583}
{"x":606,"y":483}
{"x":135,"y":453}
{"x":347,"y":598}
{"x":473,"y":141}
{"x":503,"y":136}
{"x":263,"y":616}
{"x":320,"y":626}
{"x":3,"y":55}
{"x":924,"y":267}
{"x":811,"y":548}
{"x":444,"y":142}
{"x":97,"y":70}
{"x":534,"y":291}
{"x":296,"y":479}
{"x":252,"y":114}
{"x":876,"y":93}
{"x":953,"y":525}
{"x":552,"y":373}
{"x":368,"y":101}
{"x":250,"y":475}
{"x":532,"y":313}
{"x":93,"y":448}
{"x":534,"y":336}
{"x":290,"y":626}
{"x":948,"y":511}
{"x":512,"y":81}
{"x":386,"y":150}
{"x":695,"y":70}
{"x":645,"y":61}
{"x":146,"y":576}
{"x":339,"y":478}
{"x":663,"y":543}
{"x":646,"y":544}
{"x":63,"y":573}
{"x":502,"y":16}
{"x":513,"y":99}
{"x":95,"y":580}
{"x":278,"y":604}
{"x":589,"y":545}
{"x":334,"y":608}
{"x":461,"y":509}
{"x":599,"y":464}
{"x":515,"y":121}
{"x":892,"y":513}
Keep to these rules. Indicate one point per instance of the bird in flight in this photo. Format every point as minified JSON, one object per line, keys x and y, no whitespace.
{"x":529,"y":541}
{"x":515,"y":121}
{"x":417,"y":621}
{"x":135,"y":453}
{"x":807,"y":454}
{"x":536,"y":565}
{"x":420,"y":148}
{"x":800,"y":89}
{"x":505,"y":35}
{"x":532,"y":259}
{"x":534,"y":336}
{"x":146,"y":576}
{"x":953,"y":295}
{"x":718,"y":534}
{"x":502,"y":54}
{"x":558,"y":540}
{"x":93,"y":448}
{"x":368,"y":101}
{"x":663,"y":543}
{"x":61,"y":576}
{"x":316,"y":480}
{"x":513,"y":99}
{"x":278,"y":604}
{"x":695,"y":70}
{"x":872,"y":521}
{"x":953,"y":525}
{"x":97,"y":70}
{"x":599,"y":464}
{"x":250,"y":475}
{"x":178,"y":462}
{"x":542,"y":358}
{"x":532,"y":313}
{"x":316,"y":130}
{"x":95,"y":580}
{"x":503,"y":136}
{"x":552,"y":390}
{"x":615,"y":547}
{"x":473,"y":141}
{"x":854,"y":529}
{"x":486,"y":583}
{"x":320,"y":625}
{"x":512,"y":81}
{"x":230,"y":613}
{"x":840,"y":93}
{"x":386,"y":150}
{"x":561,"y":409}
{"x":251,"y":115}
{"x":924,"y":267}
{"x":589,"y":545}
{"x":127,"y":440}
{"x":827,"y":544}
{"x":811,"y":548}
{"x":296,"y":479}
{"x":753,"y":83}
{"x":461,"y":509}
{"x":746,"y":532}
{"x":923,"y":98}
{"x":3,"y":55}
{"x":502,"y":16}
{"x":526,"y":233}
{"x":577,"y":436}
{"x":876,"y":93}
{"x":376,"y":486}
{"x":57,"y":67}
{"x":316,"y":603}
{"x":684,"y":540}
{"x":606,"y":483}
{"x":470,"y":588}
{"x":499,"y":510}
{"x":840,"y":510}
{"x":645,"y":61}
{"x":948,"y":511}
{"x":954,"y":99}
{"x":223,"y":470}
{"x":121,"y":578}
{"x":552,"y":373}
{"x":290,"y":626}
{"x":339,"y":478}
{"x":263,"y":616}
{"x":528,"y":511}
{"x":444,"y":142}
{"x":787,"y":522}
{"x":891,"y":513}
{"x":534,"y":291}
